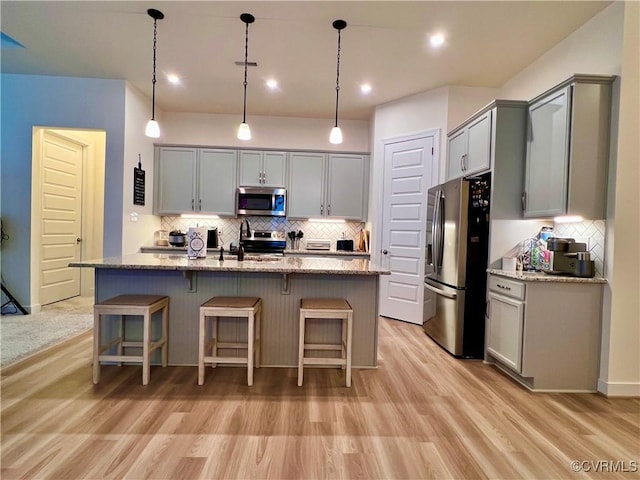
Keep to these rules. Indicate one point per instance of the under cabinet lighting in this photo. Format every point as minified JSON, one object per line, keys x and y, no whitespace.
{"x":328,"y":220}
{"x":197,"y":215}
{"x":568,"y":219}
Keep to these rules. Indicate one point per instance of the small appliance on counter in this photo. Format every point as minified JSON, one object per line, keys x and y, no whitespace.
{"x":318,"y":244}
{"x":344,"y":245}
{"x":212,"y":238}
{"x":161,"y":238}
{"x":177,"y":238}
{"x":569,"y":257}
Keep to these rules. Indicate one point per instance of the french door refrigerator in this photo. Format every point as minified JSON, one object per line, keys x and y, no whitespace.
{"x":456,"y":262}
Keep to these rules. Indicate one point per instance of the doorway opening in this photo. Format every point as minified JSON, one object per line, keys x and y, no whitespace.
{"x":67,"y":210}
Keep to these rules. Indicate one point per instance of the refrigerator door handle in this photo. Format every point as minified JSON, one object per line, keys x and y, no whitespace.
{"x":434,"y":234}
{"x":440,"y":249}
{"x":442,"y":293}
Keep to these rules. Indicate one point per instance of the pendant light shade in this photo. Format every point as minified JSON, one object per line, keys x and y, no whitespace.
{"x":336,"y":134}
{"x":244,"y":132}
{"x":153,"y":129}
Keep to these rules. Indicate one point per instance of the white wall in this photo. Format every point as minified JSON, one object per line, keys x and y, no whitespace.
{"x":465,"y":101}
{"x":137,"y":114}
{"x":267,"y":132}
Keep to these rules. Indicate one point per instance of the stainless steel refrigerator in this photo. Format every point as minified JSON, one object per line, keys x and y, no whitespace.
{"x":456,"y":262}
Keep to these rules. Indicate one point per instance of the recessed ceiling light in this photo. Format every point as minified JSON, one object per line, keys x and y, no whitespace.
{"x":272,"y":84}
{"x":436,"y":40}
{"x":365,"y":88}
{"x":173,"y":79}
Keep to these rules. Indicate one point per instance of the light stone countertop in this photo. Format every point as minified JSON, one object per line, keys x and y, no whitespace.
{"x":251,"y":263}
{"x":544,"y":277}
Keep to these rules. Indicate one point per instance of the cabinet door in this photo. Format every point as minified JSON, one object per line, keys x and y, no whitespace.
{"x":273,"y":169}
{"x":216,"y":185}
{"x":478,"y":145}
{"x":346,"y":187}
{"x":176,"y":177}
{"x":306,"y":185}
{"x":505,"y":327}
{"x":250,"y":169}
{"x":456,"y":150}
{"x":547,"y":156}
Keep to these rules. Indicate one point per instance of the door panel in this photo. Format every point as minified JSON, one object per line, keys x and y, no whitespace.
{"x":407,"y":174}
{"x":455,"y":193}
{"x":61,"y":223}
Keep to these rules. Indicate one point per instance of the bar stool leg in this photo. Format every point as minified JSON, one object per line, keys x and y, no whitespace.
{"x":121,"y":336}
{"x":349,"y":341}
{"x":201,"y":347}
{"x":250,"y":345}
{"x":165,"y":336}
{"x":146,"y":355}
{"x":301,"y":349}
{"x":96,"y":347}
{"x":214,"y":339}
{"x":257,"y":340}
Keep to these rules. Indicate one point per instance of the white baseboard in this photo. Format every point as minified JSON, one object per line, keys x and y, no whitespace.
{"x":613,"y":389}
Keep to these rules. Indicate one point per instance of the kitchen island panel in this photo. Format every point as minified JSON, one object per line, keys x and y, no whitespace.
{"x":279,"y":329}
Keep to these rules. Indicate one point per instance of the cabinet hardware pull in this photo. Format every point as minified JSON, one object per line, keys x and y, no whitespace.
{"x":200,"y":205}
{"x":524,"y":200}
{"x":321,"y":209}
{"x":328,"y":209}
{"x":193,"y":204}
{"x":502,"y":287}
{"x":462,"y":163}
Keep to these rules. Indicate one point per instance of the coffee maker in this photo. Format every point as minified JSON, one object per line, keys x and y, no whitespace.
{"x":569,"y":257}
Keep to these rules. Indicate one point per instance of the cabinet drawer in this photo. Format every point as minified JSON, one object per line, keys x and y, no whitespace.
{"x":507,"y":287}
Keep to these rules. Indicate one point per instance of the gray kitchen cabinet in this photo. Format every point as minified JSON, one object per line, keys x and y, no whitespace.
{"x":567,"y":149}
{"x":469,"y":146}
{"x":195,"y":180}
{"x":327,"y":186}
{"x":262,"y":168}
{"x":175,"y":175}
{"x":305,"y":195}
{"x":545,"y":334}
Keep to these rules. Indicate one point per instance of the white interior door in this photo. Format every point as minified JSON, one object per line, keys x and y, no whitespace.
{"x":407,"y":177}
{"x":61,"y":227}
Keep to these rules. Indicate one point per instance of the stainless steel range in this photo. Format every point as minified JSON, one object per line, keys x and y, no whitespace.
{"x":264,"y":242}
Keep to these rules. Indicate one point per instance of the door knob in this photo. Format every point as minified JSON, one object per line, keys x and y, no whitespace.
{"x":78,"y":240}
{"x":384,"y":252}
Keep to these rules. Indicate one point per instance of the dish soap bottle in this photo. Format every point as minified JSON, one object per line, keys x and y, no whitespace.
{"x":240,"y":253}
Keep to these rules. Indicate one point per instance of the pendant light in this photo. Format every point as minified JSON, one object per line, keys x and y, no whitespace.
{"x":336,"y":134}
{"x":153,"y":129}
{"x":244,"y":132}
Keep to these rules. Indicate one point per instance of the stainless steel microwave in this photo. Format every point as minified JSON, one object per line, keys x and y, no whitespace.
{"x":270,"y":202}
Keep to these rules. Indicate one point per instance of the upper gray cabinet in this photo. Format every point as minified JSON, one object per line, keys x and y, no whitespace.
{"x":262,"y":169}
{"x":328,"y":186}
{"x":469,"y":147}
{"x":493,"y":139}
{"x":195,"y":180}
{"x":567,"y":149}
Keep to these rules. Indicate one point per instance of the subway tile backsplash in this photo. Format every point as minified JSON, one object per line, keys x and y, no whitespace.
{"x":591,"y":231}
{"x":230,"y":227}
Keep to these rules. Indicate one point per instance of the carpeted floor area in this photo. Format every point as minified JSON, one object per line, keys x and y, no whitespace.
{"x":24,"y":335}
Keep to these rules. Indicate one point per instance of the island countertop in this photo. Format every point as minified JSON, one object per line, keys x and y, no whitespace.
{"x":252,"y":263}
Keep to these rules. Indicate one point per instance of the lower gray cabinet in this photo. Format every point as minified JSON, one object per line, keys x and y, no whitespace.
{"x":545,"y":334}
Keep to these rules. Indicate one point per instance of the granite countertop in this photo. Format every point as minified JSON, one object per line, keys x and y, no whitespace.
{"x":544,"y":277}
{"x":251,"y":263}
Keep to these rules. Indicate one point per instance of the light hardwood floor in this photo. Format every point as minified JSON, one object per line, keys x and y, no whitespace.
{"x":422,"y":414}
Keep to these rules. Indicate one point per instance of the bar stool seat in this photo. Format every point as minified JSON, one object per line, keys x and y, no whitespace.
{"x":241,"y":307}
{"x":130,"y":305}
{"x":326,"y":308}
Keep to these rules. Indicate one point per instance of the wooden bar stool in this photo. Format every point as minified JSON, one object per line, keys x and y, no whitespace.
{"x":247,"y":307}
{"x":326,"y":308}
{"x":124,"y":305}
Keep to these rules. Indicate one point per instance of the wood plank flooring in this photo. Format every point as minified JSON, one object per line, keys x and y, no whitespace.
{"x":422,"y":414}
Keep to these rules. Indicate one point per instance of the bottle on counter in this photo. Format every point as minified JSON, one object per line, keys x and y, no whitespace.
{"x":221,"y":257}
{"x":240,"y":253}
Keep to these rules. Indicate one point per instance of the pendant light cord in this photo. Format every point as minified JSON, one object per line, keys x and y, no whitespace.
{"x":246,"y":56}
{"x":338,"y":77}
{"x":153,"y":81}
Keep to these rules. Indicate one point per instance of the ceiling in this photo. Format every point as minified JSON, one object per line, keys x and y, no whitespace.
{"x":385,"y":44}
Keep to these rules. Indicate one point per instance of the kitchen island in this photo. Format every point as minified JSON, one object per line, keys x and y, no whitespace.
{"x":280,"y":281}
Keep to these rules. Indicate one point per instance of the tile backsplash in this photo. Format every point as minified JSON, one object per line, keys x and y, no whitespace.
{"x":230,"y":227}
{"x":590,"y":231}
